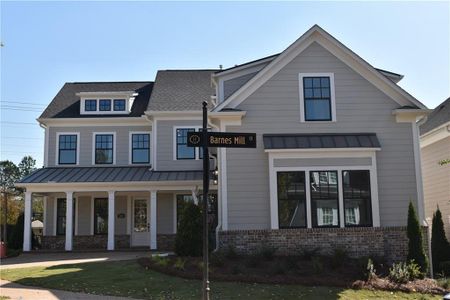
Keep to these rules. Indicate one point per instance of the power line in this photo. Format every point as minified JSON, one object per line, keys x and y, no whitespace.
{"x":19,"y":137}
{"x":20,"y":109}
{"x":29,"y":103}
{"x":18,"y":123}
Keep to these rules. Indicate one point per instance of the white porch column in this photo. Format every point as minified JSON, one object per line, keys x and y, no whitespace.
{"x":27,"y":222}
{"x":69,"y":220}
{"x":153,"y":231}
{"x":194,"y":195}
{"x":111,"y":220}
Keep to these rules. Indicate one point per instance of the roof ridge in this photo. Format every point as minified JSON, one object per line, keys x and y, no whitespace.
{"x":97,"y":82}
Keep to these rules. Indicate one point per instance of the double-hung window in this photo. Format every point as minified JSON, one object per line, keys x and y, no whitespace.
{"x":140,"y":148}
{"x":67,"y":149}
{"x":104,"y":148}
{"x":61,"y":216}
{"x":317,"y":101}
{"x":100,"y":216}
{"x":182,"y":151}
{"x":104,"y":104}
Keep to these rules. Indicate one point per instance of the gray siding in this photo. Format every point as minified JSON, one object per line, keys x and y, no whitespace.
{"x":232,"y":85}
{"x":318,"y":162}
{"x":120,"y":208}
{"x":165,"y":147}
{"x":165,"y":213}
{"x":84,"y":215}
{"x":361,"y":107}
{"x":86,"y":147}
{"x":49,"y":225}
{"x":436,"y":179}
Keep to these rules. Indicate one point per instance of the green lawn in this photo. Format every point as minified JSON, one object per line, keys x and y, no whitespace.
{"x":129,"y":279}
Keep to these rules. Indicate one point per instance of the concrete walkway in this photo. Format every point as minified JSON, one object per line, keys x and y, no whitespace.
{"x":21,"y":292}
{"x":41,"y":259}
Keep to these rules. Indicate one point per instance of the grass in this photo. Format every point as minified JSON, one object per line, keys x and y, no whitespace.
{"x":128,"y":279}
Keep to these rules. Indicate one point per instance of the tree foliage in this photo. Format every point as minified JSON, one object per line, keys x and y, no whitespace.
{"x":188,"y":241}
{"x":440,"y":247}
{"x":415,"y":240}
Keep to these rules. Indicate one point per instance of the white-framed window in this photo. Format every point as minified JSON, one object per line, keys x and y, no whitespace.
{"x":180,"y":150}
{"x":140,"y":147}
{"x":317,"y":97}
{"x":105,"y":105}
{"x":67,"y":148}
{"x":104,"y":148}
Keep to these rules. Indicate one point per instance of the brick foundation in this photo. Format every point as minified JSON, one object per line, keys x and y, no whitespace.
{"x":84,"y":242}
{"x":388,"y":242}
{"x":166,"y":242}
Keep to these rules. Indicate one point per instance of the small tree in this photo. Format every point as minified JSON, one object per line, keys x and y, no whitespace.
{"x":440,"y":247}
{"x":188,"y":241}
{"x":415,"y":240}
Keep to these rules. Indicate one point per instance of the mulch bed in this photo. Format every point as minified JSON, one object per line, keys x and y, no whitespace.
{"x":427,"y":286}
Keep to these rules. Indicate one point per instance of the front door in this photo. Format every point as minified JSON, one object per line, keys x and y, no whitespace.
{"x":141,"y":223}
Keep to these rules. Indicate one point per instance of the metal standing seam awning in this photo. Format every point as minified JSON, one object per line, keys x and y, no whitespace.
{"x":320,"y":141}
{"x":107,"y":174}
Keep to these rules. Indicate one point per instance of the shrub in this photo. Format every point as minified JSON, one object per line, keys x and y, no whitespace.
{"x":179,"y":263}
{"x":231,"y":253}
{"x":307,"y":254}
{"x":277,"y":269}
{"x":188,"y":241}
{"x":415,"y":240}
{"x":371,"y":272}
{"x":403,"y":272}
{"x":217,"y":259}
{"x":15,"y":238}
{"x":444,"y":283}
{"x":317,"y":264}
{"x":236,"y":269}
{"x":291,"y":262}
{"x":253,"y":261}
{"x":445,"y":268}
{"x":160,"y":261}
{"x":267,"y":252}
{"x":338,"y":258}
{"x":440,"y":247}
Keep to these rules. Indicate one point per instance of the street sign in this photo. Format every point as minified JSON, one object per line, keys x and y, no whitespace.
{"x":222,"y":139}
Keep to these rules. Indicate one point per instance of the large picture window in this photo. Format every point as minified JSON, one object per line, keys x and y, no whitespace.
{"x":67,"y":149}
{"x":183,"y":151}
{"x":291,"y":199}
{"x":104,"y":151}
{"x":140,"y":148}
{"x":100,"y":216}
{"x":357,"y":199}
{"x":324,"y":198}
{"x":317,"y":98}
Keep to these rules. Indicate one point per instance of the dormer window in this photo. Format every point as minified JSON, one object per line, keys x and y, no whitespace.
{"x":119,"y":104}
{"x":105,"y":105}
{"x":90,"y":105}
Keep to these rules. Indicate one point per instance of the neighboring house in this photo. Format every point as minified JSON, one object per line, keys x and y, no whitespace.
{"x":435,"y":147}
{"x":336,"y":164}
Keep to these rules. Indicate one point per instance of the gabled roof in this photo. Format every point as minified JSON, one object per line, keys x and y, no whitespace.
{"x":317,"y":34}
{"x":66,"y":103}
{"x":178,"y":90}
{"x":439,"y":116}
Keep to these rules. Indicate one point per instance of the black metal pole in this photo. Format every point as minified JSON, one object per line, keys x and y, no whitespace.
{"x":205,"y":201}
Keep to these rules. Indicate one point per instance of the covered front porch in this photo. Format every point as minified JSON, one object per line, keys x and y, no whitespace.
{"x":77,"y":215}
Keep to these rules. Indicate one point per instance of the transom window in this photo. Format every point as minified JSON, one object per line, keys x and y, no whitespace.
{"x":119,"y":105}
{"x":67,"y":149}
{"x":317,"y":97}
{"x":104,"y":104}
{"x":104,"y":151}
{"x":140,"y":148}
{"x":181,"y":148}
{"x":90,"y":105}
{"x":100,"y":216}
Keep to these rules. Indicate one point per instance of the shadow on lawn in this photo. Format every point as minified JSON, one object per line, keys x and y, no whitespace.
{"x":128,"y":279}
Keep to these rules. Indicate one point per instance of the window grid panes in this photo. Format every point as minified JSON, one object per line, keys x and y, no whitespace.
{"x":324,"y":198}
{"x":61,"y":216}
{"x":140,"y":148}
{"x":100,"y":216}
{"x":104,"y":104}
{"x":357,"y":198}
{"x":67,"y":149}
{"x":119,"y":104}
{"x":183,"y":151}
{"x":90,"y":105}
{"x":291,"y":199}
{"x":104,"y":148}
{"x":317,"y":98}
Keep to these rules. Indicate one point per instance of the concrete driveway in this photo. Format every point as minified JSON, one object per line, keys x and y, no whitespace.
{"x":53,"y":259}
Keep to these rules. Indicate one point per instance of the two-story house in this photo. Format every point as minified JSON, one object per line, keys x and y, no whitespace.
{"x":337,"y":159}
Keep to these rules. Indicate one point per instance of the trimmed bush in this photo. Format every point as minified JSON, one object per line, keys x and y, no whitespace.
{"x":188,"y":241}
{"x":440,"y":247}
{"x":415,"y":240}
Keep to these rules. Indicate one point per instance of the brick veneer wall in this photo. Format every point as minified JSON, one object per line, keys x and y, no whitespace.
{"x":84,"y":242}
{"x":388,"y":242}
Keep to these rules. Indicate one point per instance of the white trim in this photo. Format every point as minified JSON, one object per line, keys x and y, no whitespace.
{"x":341,"y":211}
{"x":130,"y":148}
{"x":175,"y":213}
{"x":175,"y":115}
{"x":155,"y":144}
{"x":114,"y":147}
{"x":58,"y":134}
{"x":69,"y":221}
{"x":82,"y":122}
{"x":322,"y":150}
{"x":223,"y":181}
{"x":129,"y":99}
{"x":317,"y":34}
{"x":435,"y":135}
{"x":418,"y":172}
{"x":245,"y":68}
{"x":46,"y":144}
{"x":153,"y":220}
{"x":44,"y":217}
{"x":129,"y":215}
{"x":76,"y":215}
{"x":55,"y":214}
{"x":92,"y":214}
{"x":111,"y":219}
{"x":274,"y":187}
{"x":302,"y":96}
{"x":28,"y":212}
{"x":174,"y":141}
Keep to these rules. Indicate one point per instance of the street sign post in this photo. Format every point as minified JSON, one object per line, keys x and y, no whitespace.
{"x":205,"y":139}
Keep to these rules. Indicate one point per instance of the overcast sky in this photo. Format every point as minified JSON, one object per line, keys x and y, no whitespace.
{"x":49,"y":43}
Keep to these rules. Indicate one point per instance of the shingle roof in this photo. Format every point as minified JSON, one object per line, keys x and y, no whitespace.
{"x":178,"y":90}
{"x":66,"y":103}
{"x":320,"y":140}
{"x":439,"y":116}
{"x":107,"y":174}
